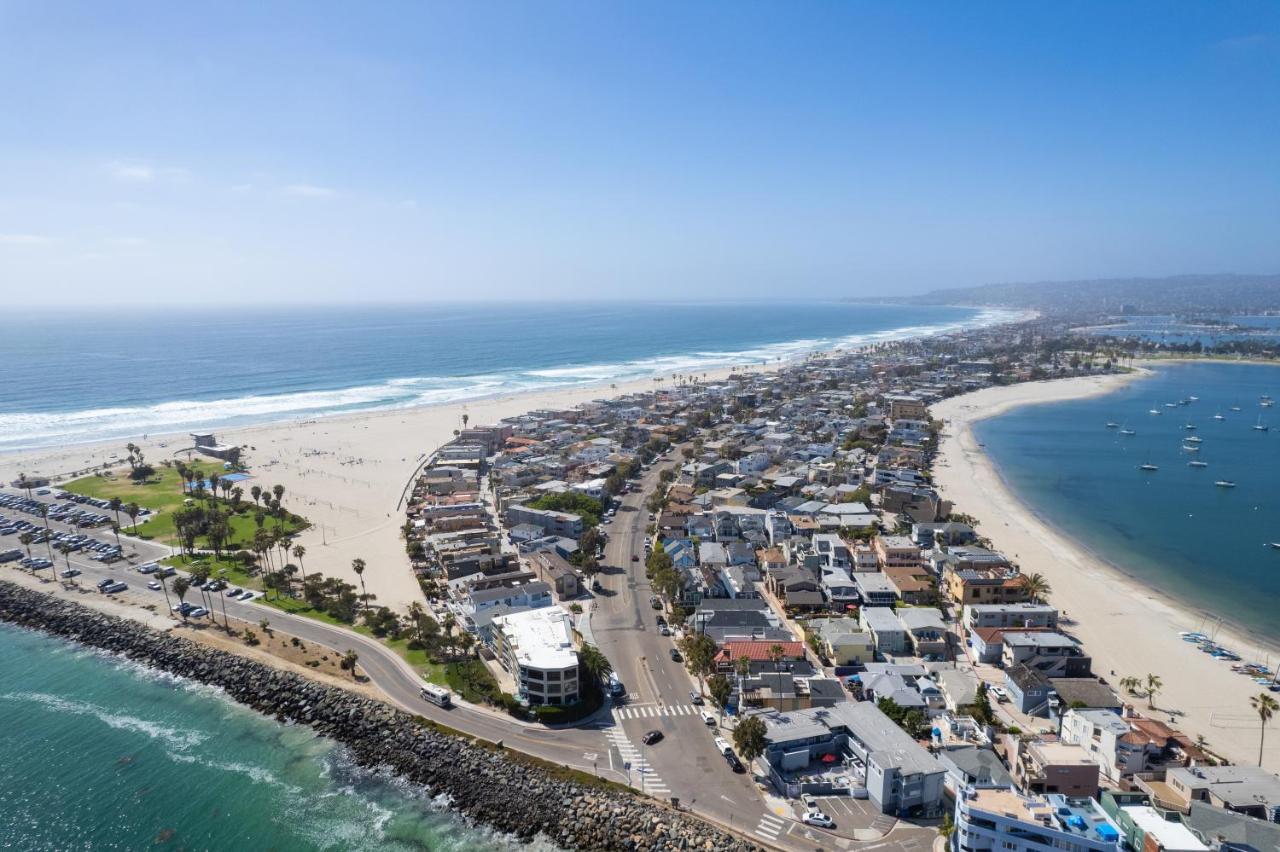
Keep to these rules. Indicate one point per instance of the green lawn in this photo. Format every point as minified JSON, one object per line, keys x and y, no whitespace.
{"x":228,"y":569}
{"x":163,"y":494}
{"x":432,"y":671}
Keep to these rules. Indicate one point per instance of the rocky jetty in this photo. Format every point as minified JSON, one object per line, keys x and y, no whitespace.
{"x":487,"y":784}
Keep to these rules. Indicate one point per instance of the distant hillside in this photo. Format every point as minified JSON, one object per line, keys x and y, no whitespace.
{"x":1182,"y":294}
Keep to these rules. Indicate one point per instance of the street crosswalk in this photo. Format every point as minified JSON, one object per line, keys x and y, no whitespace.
{"x":641,"y":774}
{"x":653,"y":711}
{"x":769,"y":826}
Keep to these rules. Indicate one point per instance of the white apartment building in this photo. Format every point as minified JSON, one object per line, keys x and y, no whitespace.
{"x":536,"y":648}
{"x":1001,"y":820}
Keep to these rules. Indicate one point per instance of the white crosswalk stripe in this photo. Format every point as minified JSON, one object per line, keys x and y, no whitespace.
{"x":653,"y":712}
{"x":642,"y":775}
{"x":769,"y":827}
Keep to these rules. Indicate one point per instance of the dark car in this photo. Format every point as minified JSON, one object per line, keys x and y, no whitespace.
{"x":675,"y":655}
{"x":635,"y":558}
{"x":652,"y":737}
{"x":734,"y":763}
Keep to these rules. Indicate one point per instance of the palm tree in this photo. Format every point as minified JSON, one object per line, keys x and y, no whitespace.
{"x":180,"y":587}
{"x":27,"y":538}
{"x":1154,"y":685}
{"x":593,"y":661}
{"x":1130,"y":684}
{"x":358,"y":566}
{"x":48,"y":533}
{"x":298,"y":552}
{"x":164,"y":587}
{"x":448,"y":623}
{"x":1265,"y":706}
{"x":133,"y":510}
{"x":1036,"y":586}
{"x":255,"y":492}
{"x":348,"y":663}
{"x":416,"y":613}
{"x":115,"y":530}
{"x":776,"y":653}
{"x":115,"y":504}
{"x":278,"y":490}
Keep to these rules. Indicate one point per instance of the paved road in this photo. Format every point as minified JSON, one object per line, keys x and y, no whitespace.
{"x":571,"y":747}
{"x":685,"y":764}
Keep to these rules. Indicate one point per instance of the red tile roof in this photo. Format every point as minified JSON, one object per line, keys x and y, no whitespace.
{"x":759,"y":651}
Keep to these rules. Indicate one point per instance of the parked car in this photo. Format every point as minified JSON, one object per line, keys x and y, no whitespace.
{"x":735,"y":764}
{"x":675,"y":652}
{"x":71,"y":572}
{"x":695,"y":697}
{"x":724,"y":746}
{"x":154,"y":585}
{"x":708,"y":719}
{"x":817,"y":818}
{"x":652,"y":737}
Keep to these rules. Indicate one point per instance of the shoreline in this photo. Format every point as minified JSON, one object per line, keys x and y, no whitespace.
{"x":1137,"y":631}
{"x":346,"y":472}
{"x":984,"y":317}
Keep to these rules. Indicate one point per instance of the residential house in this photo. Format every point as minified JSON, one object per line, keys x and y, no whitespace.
{"x":995,"y":819}
{"x":1049,"y":765}
{"x":899,"y":775}
{"x":842,"y":641}
{"x":886,"y":630}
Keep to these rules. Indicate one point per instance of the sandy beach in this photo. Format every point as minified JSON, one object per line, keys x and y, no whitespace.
{"x":1127,"y":628}
{"x":346,"y":473}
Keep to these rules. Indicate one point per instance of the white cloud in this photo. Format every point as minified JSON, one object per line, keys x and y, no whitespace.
{"x":134,"y":172}
{"x":24,"y":240}
{"x":309,"y":190}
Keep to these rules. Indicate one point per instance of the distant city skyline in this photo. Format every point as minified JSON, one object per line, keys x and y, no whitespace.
{"x":152,"y":153}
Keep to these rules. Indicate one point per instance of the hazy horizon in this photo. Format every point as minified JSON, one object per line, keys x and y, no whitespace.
{"x":407,"y":154}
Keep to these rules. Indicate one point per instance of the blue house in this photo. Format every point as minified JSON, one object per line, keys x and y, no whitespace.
{"x":1029,"y":690}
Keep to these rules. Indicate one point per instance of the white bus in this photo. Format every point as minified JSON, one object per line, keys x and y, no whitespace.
{"x":437,"y":695}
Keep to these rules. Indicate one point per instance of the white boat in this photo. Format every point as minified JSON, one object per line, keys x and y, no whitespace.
{"x":1111,"y":425}
{"x":1170,"y":405}
{"x":1190,"y":427}
{"x":1154,"y":411}
{"x":1260,"y":426}
{"x":1147,"y":466}
{"x":1276,"y":545}
{"x":1235,"y":408}
{"x":1225,"y":483}
{"x":1194,"y":398}
{"x":1194,"y":440}
{"x":1127,"y":432}
{"x":1219,"y":417}
{"x":1190,"y":448}
{"x":1197,"y":463}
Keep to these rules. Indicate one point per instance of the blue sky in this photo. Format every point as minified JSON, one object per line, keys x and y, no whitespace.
{"x":338,"y":151}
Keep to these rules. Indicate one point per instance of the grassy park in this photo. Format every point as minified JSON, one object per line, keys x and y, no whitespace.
{"x":168,"y":493}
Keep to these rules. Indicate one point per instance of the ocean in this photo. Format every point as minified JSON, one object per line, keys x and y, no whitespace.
{"x":1173,"y":529}
{"x":74,"y":377}
{"x":100,"y":753}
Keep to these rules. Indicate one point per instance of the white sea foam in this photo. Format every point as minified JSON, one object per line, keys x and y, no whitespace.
{"x":178,"y":741}
{"x":39,"y":429}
